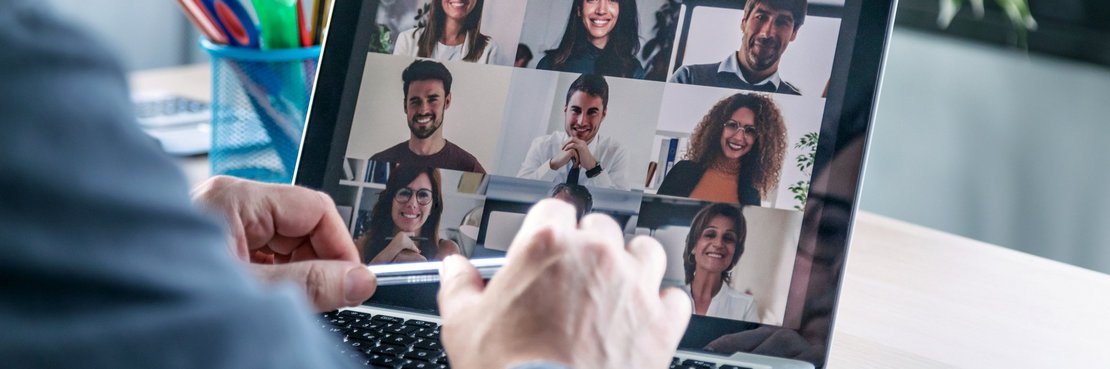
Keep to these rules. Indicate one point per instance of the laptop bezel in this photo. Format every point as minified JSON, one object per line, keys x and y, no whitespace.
{"x":850,"y":107}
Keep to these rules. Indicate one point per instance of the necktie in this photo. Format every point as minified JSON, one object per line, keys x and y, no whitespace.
{"x":574,"y":174}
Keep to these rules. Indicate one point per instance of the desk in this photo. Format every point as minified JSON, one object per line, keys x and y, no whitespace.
{"x":913,"y":297}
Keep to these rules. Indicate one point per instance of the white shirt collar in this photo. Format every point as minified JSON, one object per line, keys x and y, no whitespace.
{"x":732,"y":65}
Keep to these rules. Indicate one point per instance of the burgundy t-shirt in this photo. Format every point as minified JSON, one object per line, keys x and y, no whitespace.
{"x":451,"y":157}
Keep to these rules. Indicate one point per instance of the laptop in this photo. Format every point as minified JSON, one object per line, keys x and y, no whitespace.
{"x":734,"y":132}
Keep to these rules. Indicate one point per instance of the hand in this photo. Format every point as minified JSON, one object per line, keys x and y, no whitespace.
{"x":561,"y":160}
{"x":276,"y":224}
{"x":400,"y":249}
{"x":583,"y":155}
{"x":571,"y":294}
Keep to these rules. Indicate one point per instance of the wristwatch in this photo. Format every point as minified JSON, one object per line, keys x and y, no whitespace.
{"x":595,"y":171}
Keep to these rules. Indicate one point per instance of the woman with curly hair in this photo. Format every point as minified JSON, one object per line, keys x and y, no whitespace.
{"x":601,"y":37}
{"x":735,"y":153}
{"x":404,"y":224}
{"x":713,"y":247}
{"x":452,"y":32}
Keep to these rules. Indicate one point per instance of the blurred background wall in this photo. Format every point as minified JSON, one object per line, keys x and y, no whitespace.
{"x":974,"y":136}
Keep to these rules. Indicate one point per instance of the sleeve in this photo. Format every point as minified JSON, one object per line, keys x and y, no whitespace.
{"x":536,"y":162}
{"x":406,"y":43}
{"x":673,"y":181}
{"x":682,"y":75}
{"x":115,"y":268}
{"x":614,"y":174}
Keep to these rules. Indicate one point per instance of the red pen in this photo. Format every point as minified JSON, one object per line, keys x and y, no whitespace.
{"x":203,"y":21}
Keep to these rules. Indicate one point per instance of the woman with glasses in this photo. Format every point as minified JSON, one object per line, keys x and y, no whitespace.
{"x":452,"y":31}
{"x":735,"y":153}
{"x":713,"y":247}
{"x":404,"y":224}
{"x":601,"y":37}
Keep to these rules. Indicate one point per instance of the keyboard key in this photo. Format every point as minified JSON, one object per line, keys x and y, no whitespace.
{"x":388,"y":350}
{"x":351,"y":314}
{"x":387,"y":319}
{"x":422,"y":355}
{"x":421,"y":323}
{"x":412,"y":364}
{"x":386,"y":361}
{"x":396,"y":339}
{"x":699,"y":364}
{"x":365,"y":336}
{"x":405,"y":330}
{"x":422,"y":332}
{"x":734,"y":367}
{"x":428,"y":344}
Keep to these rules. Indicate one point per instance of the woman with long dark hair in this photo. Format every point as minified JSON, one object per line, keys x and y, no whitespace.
{"x":452,"y":31}
{"x":713,"y":247}
{"x":404,"y":223}
{"x":735,"y":153}
{"x":601,"y":37}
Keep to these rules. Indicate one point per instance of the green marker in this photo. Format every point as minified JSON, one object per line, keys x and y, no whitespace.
{"x":278,"y":22}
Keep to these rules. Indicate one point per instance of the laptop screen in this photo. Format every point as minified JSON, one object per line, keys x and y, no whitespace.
{"x":700,"y":123}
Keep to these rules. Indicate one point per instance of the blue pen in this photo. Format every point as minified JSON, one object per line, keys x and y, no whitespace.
{"x":235,"y":21}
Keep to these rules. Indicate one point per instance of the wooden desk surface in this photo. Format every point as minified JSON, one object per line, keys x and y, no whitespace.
{"x":913,"y":297}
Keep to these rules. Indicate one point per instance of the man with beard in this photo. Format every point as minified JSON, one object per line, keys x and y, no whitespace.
{"x":768,"y":27}
{"x":576,"y":156}
{"x":427,"y":98}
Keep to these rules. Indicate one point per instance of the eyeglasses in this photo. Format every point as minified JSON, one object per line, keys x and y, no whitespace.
{"x":731,"y":126}
{"x":423,"y":196}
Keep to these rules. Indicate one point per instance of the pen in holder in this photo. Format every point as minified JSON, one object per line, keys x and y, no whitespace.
{"x":259,"y":100}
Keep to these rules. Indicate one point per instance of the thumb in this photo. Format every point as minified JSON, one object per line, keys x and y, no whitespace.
{"x":459,"y":283}
{"x":678,"y":307}
{"x":328,"y":284}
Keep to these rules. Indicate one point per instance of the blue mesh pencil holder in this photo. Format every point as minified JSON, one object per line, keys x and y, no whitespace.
{"x":259,"y":100}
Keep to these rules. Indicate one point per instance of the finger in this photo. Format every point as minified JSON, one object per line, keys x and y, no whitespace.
{"x":677,"y":307}
{"x":328,"y":284}
{"x":651,"y":258}
{"x":300,"y":212}
{"x":459,"y":284}
{"x":555,"y":216}
{"x":601,"y":227}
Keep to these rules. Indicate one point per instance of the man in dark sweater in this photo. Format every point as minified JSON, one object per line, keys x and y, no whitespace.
{"x":427,"y":98}
{"x":768,"y":27}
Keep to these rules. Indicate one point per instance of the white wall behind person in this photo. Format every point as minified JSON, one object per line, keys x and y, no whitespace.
{"x":545,"y":21}
{"x":685,"y":105}
{"x":633,"y":106}
{"x":531,"y":95}
{"x":806,"y":63}
{"x":764,"y":269}
{"x":473,"y":121}
{"x":502,"y":21}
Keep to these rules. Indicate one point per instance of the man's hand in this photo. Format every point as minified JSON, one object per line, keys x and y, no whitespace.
{"x":561,"y":159}
{"x":582,"y":155}
{"x":277,"y":224}
{"x":569,"y":293}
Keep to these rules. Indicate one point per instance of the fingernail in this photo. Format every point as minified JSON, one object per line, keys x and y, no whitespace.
{"x":358,"y":285}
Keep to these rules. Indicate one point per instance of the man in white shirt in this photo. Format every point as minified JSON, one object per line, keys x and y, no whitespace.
{"x":768,"y":27}
{"x":578,"y":155}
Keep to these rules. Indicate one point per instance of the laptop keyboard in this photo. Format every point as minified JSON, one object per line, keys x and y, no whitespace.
{"x":389,"y":342}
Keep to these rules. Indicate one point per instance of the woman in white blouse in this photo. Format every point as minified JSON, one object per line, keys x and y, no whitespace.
{"x":451,"y":32}
{"x":713,"y":248}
